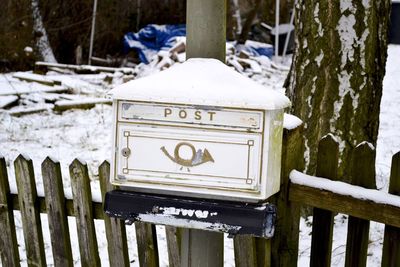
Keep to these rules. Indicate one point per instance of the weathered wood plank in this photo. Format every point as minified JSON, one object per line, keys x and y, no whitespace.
{"x":80,"y":104}
{"x":285,"y":242}
{"x":358,"y":229}
{"x":284,"y":245}
{"x":84,"y":214}
{"x":146,"y":239}
{"x":245,"y":251}
{"x":8,"y":101}
{"x":98,"y":212}
{"x":391,"y":243}
{"x":56,"y":213}
{"x":32,"y":77}
{"x":8,"y":240}
{"x":41,"y":66}
{"x":115,"y":228}
{"x":30,"y":213}
{"x":322,"y":228}
{"x":173,"y":244}
{"x":42,"y":89}
{"x":347,"y":204}
{"x":263,"y":252}
{"x":18,"y":112}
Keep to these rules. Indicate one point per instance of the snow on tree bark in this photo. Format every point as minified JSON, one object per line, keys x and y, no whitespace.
{"x":335,"y":82}
{"x":42,"y":43}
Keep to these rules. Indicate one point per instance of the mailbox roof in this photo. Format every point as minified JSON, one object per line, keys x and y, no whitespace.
{"x":202,"y":82}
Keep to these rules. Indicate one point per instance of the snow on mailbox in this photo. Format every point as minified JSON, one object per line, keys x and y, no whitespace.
{"x":198,"y":129}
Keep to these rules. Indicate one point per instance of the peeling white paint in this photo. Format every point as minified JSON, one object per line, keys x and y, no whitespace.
{"x":202,"y":214}
{"x":187,"y":223}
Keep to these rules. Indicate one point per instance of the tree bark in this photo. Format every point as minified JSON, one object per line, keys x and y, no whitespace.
{"x":335,"y":82}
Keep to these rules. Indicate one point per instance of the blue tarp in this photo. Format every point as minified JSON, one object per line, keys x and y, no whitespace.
{"x":153,"y":38}
{"x":257,"y":49}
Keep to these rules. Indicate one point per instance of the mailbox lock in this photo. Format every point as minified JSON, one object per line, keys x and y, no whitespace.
{"x":126,"y":152}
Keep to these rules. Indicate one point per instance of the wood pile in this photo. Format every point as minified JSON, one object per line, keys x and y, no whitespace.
{"x":241,"y":60}
{"x":59,"y":87}
{"x":24,"y":93}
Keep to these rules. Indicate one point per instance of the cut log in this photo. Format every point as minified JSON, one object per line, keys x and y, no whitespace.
{"x":180,"y":47}
{"x":42,"y":89}
{"x":8,"y":101}
{"x":63,"y":105}
{"x":42,"y":66}
{"x":32,"y":77}
{"x":26,"y":111}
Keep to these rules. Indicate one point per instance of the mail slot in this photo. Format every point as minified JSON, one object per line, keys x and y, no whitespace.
{"x":198,"y":129}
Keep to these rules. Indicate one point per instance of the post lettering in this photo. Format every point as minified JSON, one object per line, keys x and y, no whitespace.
{"x":211,"y":115}
{"x":167,"y":112}
{"x":197,"y":115}
{"x":182,"y":114}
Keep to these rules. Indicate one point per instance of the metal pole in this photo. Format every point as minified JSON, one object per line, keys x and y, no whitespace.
{"x":277,"y":3}
{"x":205,"y":38}
{"x":206,"y":29}
{"x":289,"y":31}
{"x":92,"y":31}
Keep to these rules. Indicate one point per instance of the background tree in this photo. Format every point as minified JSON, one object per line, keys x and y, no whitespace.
{"x":335,"y":82}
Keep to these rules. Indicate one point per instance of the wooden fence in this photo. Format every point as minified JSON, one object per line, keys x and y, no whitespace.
{"x":327,"y":198}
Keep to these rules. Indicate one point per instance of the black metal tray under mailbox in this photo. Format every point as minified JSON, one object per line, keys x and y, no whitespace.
{"x":221,"y":216}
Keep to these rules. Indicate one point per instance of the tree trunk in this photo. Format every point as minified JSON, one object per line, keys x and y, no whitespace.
{"x":42,"y":41}
{"x":335,"y":82}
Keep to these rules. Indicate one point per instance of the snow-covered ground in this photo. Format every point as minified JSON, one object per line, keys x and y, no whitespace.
{"x":86,"y":134}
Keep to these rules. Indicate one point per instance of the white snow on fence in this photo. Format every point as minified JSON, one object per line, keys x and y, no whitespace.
{"x":344,"y":189}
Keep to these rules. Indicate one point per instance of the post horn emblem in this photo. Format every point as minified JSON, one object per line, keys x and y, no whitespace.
{"x":198,"y":157}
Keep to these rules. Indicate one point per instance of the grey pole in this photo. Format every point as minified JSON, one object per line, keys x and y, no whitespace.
{"x":277,"y":3}
{"x":92,"y":31}
{"x":205,"y":38}
{"x":206,"y":29}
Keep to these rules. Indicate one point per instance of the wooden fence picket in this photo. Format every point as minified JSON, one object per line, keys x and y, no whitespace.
{"x":84,"y":214}
{"x":391,"y":243}
{"x":173,"y":245}
{"x":281,"y":251}
{"x":115,"y":228}
{"x":245,"y":250}
{"x":322,"y":227}
{"x":358,"y":229}
{"x":56,"y":212}
{"x":324,"y":195}
{"x":30,"y":211}
{"x":8,"y":240}
{"x":284,"y":246}
{"x":146,"y":239}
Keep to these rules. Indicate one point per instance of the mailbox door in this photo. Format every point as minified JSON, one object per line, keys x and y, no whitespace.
{"x":194,"y":158}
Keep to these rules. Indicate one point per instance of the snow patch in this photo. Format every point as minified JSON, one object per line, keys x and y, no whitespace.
{"x":316,"y":18}
{"x":319,"y":58}
{"x":371,"y":146}
{"x":291,"y":122}
{"x":345,"y":189}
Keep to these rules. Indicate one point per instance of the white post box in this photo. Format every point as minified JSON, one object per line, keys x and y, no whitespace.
{"x":198,"y":129}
